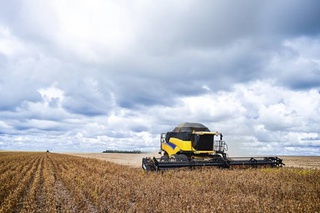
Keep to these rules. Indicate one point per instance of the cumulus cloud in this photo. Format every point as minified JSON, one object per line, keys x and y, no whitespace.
{"x":90,"y":76}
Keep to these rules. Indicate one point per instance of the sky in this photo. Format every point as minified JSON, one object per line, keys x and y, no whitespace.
{"x":87,"y":76}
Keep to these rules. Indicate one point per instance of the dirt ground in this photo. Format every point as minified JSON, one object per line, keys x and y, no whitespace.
{"x":134,"y":160}
{"x":302,"y":161}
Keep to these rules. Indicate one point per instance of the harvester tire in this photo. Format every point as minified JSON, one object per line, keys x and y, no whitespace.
{"x":164,"y":157}
{"x":179,"y":157}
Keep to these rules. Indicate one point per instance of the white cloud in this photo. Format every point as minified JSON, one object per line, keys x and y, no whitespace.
{"x":297,"y":64}
{"x":52,"y":96}
{"x":269,"y":113}
{"x":115,"y":74}
{"x":9,"y":45}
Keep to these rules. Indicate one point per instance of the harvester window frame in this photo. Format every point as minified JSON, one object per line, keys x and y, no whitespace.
{"x":203,"y":142}
{"x":185,"y":136}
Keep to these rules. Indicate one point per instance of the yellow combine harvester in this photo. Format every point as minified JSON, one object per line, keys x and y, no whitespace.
{"x":193,"y":144}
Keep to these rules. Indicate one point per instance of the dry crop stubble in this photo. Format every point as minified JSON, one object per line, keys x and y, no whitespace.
{"x":49,"y":182}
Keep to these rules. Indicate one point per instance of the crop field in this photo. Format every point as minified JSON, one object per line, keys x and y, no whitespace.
{"x":50,"y":182}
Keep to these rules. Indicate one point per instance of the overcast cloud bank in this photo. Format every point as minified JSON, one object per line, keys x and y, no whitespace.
{"x":90,"y":76}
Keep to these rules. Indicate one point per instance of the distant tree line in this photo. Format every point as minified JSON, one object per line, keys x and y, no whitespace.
{"x":123,"y":151}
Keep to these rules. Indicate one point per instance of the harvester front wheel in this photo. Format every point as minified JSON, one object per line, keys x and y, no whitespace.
{"x":179,"y":157}
{"x":164,"y":157}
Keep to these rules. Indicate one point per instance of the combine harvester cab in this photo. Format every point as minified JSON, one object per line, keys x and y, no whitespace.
{"x":194,"y":145}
